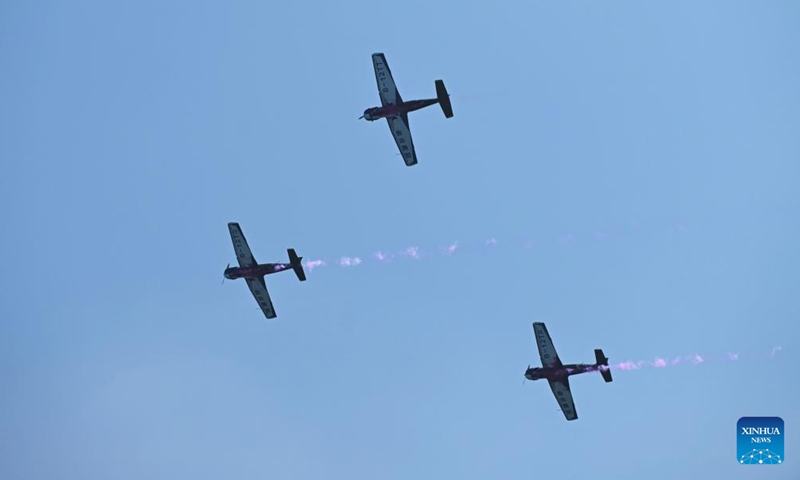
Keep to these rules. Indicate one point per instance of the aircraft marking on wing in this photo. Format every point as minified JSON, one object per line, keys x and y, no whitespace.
{"x":259,"y":290}
{"x":402,"y":137}
{"x":563,"y":396}
{"x":386,"y":86}
{"x":243,"y":254}
{"x":547,"y":351}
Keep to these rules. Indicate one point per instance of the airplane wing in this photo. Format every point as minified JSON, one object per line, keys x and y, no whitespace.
{"x":243,"y":254}
{"x":547,"y":351}
{"x":386,"y":86}
{"x":563,"y":395}
{"x":259,"y":290}
{"x":402,"y":137}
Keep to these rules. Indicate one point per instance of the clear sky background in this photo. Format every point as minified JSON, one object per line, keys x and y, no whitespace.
{"x":636,"y":163}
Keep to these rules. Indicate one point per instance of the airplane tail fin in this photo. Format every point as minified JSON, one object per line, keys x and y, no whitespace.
{"x":444,"y":99}
{"x":297,"y":264}
{"x":602,"y":361}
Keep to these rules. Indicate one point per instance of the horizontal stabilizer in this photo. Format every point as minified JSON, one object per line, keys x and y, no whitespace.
{"x":444,"y":99}
{"x":602,"y":361}
{"x":297,"y":264}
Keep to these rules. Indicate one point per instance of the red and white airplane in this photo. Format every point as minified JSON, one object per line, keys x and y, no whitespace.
{"x":557,"y":374}
{"x":253,"y":272}
{"x":396,"y":111}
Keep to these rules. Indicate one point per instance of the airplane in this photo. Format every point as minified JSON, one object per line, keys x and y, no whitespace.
{"x":557,"y":374}
{"x":253,"y":272}
{"x":396,"y":111}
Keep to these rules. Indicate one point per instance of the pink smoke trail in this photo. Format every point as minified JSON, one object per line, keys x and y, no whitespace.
{"x":312,"y":264}
{"x":417,"y":253}
{"x":383,"y":257}
{"x":660,"y":362}
{"x":452,"y":248}
{"x":629,"y":365}
{"x":349,"y":261}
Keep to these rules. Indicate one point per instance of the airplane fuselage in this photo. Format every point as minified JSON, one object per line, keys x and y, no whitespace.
{"x":254,"y":271}
{"x":555,"y":373}
{"x":395,"y":110}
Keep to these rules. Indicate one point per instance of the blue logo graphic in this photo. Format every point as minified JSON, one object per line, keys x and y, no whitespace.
{"x":759,"y":440}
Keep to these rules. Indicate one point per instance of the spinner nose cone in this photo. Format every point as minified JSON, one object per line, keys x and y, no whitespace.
{"x":529,"y":373}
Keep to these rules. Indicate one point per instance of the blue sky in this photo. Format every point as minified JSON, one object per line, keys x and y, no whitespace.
{"x":132,"y":132}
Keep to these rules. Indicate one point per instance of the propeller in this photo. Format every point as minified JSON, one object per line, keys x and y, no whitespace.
{"x":362,"y":116}
{"x":524,"y":377}
{"x":223,"y":274}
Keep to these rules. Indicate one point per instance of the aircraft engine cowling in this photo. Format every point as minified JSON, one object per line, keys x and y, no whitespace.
{"x":368,"y":115}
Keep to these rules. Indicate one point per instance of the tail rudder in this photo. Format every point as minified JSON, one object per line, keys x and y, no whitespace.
{"x":602,"y":362}
{"x":297,"y":264}
{"x":444,"y":99}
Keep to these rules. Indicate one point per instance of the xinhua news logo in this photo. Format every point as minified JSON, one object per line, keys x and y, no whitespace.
{"x":759,"y":440}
